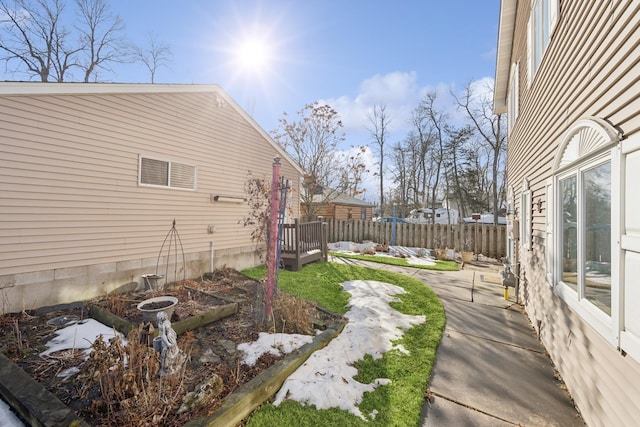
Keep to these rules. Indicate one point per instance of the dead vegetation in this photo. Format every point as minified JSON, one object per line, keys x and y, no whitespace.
{"x":130,"y":390}
{"x":118,"y":384}
{"x":292,"y":315}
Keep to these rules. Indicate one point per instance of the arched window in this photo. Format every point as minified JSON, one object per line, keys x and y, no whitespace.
{"x":581,"y":229}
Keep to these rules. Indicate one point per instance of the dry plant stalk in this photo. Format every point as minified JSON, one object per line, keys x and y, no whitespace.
{"x":17,"y":334}
{"x":292,"y":315}
{"x":116,"y":304}
{"x":132,"y":393}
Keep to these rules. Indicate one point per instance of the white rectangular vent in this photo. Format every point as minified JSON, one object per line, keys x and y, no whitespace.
{"x":162,"y":173}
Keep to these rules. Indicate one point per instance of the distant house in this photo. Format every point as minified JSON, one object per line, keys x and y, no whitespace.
{"x":568,"y":76}
{"x":92,"y":177}
{"x":332,"y":205}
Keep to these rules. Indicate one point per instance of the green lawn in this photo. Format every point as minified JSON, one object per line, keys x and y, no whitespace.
{"x":440,"y":265}
{"x":399,"y":403}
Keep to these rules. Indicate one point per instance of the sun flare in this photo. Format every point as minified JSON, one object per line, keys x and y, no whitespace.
{"x":253,"y":55}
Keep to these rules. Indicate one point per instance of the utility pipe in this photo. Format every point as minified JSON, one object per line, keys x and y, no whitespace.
{"x":211,"y":256}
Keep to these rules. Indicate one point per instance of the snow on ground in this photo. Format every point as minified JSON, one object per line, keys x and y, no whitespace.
{"x":326,"y":379}
{"x":7,"y":417}
{"x":79,"y":336}
{"x":350,"y":246}
{"x":414,"y":256}
{"x":276,"y":344}
{"x":421,"y":261}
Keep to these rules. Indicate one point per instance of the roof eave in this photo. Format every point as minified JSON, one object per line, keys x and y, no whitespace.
{"x":503,"y":57}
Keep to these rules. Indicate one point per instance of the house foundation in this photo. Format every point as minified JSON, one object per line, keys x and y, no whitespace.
{"x":46,"y":288}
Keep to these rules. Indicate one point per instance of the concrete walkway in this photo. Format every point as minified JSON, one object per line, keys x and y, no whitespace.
{"x":490,"y":368}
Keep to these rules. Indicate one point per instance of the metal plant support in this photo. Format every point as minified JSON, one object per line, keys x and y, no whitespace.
{"x":172,"y":241}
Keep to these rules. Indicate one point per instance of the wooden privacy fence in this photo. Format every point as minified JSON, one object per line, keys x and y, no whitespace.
{"x":488,"y":240}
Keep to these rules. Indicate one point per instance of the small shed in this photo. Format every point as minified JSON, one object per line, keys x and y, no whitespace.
{"x":342,"y":207}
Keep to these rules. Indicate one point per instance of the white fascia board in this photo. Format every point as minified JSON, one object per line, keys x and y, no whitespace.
{"x":503,"y":56}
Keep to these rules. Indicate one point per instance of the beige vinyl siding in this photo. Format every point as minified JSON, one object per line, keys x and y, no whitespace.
{"x":590,"y":69}
{"x":69,"y":176}
{"x":595,"y":81}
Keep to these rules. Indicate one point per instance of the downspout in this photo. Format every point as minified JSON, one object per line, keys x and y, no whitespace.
{"x":211,"y":257}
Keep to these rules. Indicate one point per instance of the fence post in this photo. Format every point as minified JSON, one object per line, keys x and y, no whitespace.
{"x":324,"y":241}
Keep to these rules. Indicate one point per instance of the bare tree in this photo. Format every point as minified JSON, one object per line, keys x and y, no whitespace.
{"x":102,"y":37}
{"x":477,"y":105}
{"x":455,"y":149}
{"x":424,"y":144}
{"x":33,"y":40}
{"x":403,"y":174}
{"x":380,"y":124}
{"x":354,"y":170}
{"x":437,"y":125}
{"x":312,"y":140}
{"x":154,"y":55}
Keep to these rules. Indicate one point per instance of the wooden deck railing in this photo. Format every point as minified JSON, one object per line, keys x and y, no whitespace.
{"x":303,"y":243}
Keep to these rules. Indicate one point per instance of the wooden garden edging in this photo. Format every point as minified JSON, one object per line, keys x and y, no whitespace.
{"x":41,"y":408}
{"x":180,"y":327}
{"x":35,"y":404}
{"x":254,"y":393}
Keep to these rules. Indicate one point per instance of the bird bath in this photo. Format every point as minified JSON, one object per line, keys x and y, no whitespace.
{"x":152,"y":306}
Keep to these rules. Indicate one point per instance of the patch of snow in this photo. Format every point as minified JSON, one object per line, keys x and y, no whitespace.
{"x":80,"y":336}
{"x":276,"y":344}
{"x":421,"y":261}
{"x":68,"y":373}
{"x":326,"y":379}
{"x":415,"y":256}
{"x":402,"y":349}
{"x":350,"y":246}
{"x":8,"y":418}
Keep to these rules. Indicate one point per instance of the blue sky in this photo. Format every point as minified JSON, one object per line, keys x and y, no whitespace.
{"x":350,"y":54}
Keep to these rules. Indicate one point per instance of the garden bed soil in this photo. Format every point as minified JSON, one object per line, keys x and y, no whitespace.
{"x":211,"y":350}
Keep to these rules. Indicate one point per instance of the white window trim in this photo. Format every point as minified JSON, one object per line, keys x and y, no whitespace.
{"x":589,"y":142}
{"x":629,"y":242}
{"x":554,"y":12}
{"x":549,"y":238}
{"x":514,"y":95}
{"x":169,"y":162}
{"x":525,"y":216}
{"x":595,"y":317}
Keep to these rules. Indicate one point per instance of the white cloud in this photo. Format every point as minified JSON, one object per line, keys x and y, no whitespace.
{"x":398,"y":91}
